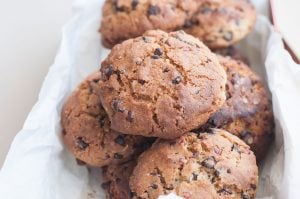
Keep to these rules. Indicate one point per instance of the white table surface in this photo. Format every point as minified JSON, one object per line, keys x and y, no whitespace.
{"x":30,"y":34}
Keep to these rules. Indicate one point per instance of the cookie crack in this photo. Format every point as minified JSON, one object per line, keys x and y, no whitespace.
{"x":161,"y":179}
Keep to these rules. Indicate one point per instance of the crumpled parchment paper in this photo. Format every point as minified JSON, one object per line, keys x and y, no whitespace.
{"x":38,"y":167}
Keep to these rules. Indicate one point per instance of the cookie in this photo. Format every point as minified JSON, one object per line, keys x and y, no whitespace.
{"x":116,"y":176}
{"x":214,"y":165}
{"x":86,"y":131}
{"x":116,"y":180}
{"x":247,"y":112}
{"x":221,"y":23}
{"x":161,"y":85}
{"x":232,"y":52}
{"x":125,"y":19}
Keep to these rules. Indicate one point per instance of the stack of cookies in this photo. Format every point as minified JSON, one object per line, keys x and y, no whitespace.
{"x":164,"y":114}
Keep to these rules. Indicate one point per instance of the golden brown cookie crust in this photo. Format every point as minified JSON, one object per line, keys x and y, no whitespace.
{"x":247,"y":112}
{"x":161,"y":85}
{"x":116,"y":180}
{"x":116,"y":176}
{"x":218,"y":23}
{"x":213,"y":165}
{"x":125,"y":19}
{"x":86,"y":130}
{"x":221,"y":23}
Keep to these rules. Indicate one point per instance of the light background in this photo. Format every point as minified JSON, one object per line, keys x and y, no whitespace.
{"x":30,"y":34}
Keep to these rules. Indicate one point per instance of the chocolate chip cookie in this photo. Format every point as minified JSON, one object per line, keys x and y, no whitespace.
{"x":247,"y":112}
{"x":222,"y":23}
{"x":161,"y":85}
{"x":125,"y":19}
{"x":116,"y":176}
{"x":218,"y":23}
{"x":214,"y":165}
{"x":86,"y":130}
{"x":116,"y":180}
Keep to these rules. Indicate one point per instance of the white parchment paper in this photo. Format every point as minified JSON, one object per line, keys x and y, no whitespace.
{"x":38,"y":167}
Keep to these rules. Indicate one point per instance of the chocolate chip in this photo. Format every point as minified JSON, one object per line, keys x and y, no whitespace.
{"x":146,"y":39}
{"x":209,"y":162}
{"x":134,"y":3}
{"x":187,"y":24}
{"x":225,"y":191}
{"x":195,"y":176}
{"x":118,"y":156}
{"x":105,"y":185}
{"x":129,"y":117}
{"x":95,"y":80}
{"x":118,"y":73}
{"x":155,"y":119}
{"x":228,"y":36}
{"x":80,"y":143}
{"x":116,"y":105}
{"x":166,"y":70}
{"x":153,"y":10}
{"x":117,"y":7}
{"x":158,"y":51}
{"x":102,"y":121}
{"x":154,"y":186}
{"x":108,"y":71}
{"x":213,"y":180}
{"x":254,"y":81}
{"x":253,"y":186}
{"x":177,"y":80}
{"x":162,"y":179}
{"x":206,"y":10}
{"x":217,"y":173}
{"x":64,"y":132}
{"x":141,"y":81}
{"x":120,"y":8}
{"x":228,"y":170}
{"x":120,"y":140}
{"x":247,"y":137}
